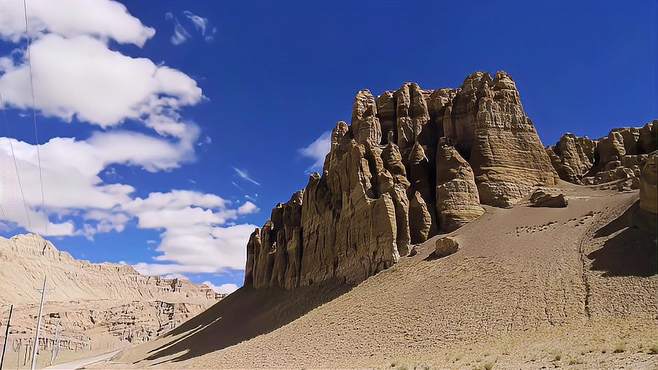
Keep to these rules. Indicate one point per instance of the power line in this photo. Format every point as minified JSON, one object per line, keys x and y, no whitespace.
{"x":13,"y":155}
{"x":34,"y":113}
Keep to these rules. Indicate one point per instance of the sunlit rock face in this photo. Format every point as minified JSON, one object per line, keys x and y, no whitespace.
{"x":615,"y":160}
{"x":412,"y":162}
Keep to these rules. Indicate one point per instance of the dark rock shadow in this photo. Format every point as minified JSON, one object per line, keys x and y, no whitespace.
{"x":630,"y":252}
{"x":617,"y":224}
{"x":243,"y":315}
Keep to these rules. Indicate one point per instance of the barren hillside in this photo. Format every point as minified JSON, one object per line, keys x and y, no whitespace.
{"x":529,"y":287}
{"x":89,"y":307}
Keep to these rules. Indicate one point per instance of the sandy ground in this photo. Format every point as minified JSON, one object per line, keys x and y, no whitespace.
{"x":83,"y":362}
{"x":529,"y":288}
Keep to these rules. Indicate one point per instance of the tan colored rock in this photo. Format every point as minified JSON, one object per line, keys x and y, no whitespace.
{"x":506,"y":155}
{"x":648,"y":181}
{"x":344,"y":214}
{"x":394,"y":181}
{"x":611,"y":148}
{"x":648,"y":137}
{"x":439,"y":106}
{"x":630,"y":137}
{"x":373,"y":200}
{"x":573,"y":157}
{"x":88,"y":306}
{"x":445,"y":246}
{"x":457,"y":199}
{"x":543,"y":198}
{"x":420,"y":221}
{"x":411,"y":113}
{"x":365,"y":124}
{"x":421,"y":178}
{"x":386,"y":107}
{"x":393,"y":162}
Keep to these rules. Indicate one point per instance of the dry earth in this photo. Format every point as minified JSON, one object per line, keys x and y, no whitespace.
{"x":529,"y":288}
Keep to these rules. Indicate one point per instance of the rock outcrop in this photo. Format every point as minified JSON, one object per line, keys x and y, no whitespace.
{"x":573,"y":157}
{"x":457,"y":200}
{"x":411,"y":163}
{"x":501,"y":142}
{"x":88,"y":305}
{"x":618,"y":157}
{"x":648,"y":182}
{"x":445,"y":247}
{"x":542,"y":198}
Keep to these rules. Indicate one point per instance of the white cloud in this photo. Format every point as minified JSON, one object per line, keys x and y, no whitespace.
{"x":243,"y":174}
{"x":81,"y":77}
{"x":317,"y":150}
{"x":77,"y":76}
{"x":223,"y":289}
{"x":198,"y":21}
{"x":71,"y":178}
{"x":100,"y":18}
{"x":247,"y":208}
{"x":200,"y":24}
{"x":176,"y":276}
{"x":180,"y":34}
{"x":194,"y":236}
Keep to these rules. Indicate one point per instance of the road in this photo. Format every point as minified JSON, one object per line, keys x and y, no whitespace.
{"x":77,"y":364}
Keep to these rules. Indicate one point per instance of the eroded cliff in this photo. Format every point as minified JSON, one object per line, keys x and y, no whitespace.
{"x":412,"y":162}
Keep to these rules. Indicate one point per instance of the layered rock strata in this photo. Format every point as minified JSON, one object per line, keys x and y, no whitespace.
{"x":411,"y":163}
{"x":620,"y":156}
{"x":88,"y":306}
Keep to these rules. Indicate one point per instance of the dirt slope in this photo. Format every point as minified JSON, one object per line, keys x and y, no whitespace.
{"x":529,"y":287}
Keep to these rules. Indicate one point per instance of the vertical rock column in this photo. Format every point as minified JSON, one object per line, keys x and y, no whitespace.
{"x":457,"y":200}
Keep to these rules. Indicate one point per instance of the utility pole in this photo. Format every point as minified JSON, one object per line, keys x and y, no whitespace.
{"x":55,"y":350}
{"x":4,"y":347}
{"x":35,"y":348}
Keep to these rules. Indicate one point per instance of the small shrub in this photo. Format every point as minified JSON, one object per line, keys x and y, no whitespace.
{"x":557,"y":357}
{"x":488,"y":366}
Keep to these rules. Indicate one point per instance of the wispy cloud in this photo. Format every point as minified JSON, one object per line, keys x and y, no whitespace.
{"x":180,"y":34}
{"x":243,"y":174}
{"x":200,"y":24}
{"x":317,"y":150}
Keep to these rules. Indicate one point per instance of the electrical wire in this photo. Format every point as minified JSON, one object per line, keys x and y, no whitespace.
{"x":13,"y":155}
{"x":34,"y":113}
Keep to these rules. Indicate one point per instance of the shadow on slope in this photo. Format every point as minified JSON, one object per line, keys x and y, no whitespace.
{"x":244,"y":314}
{"x":628,"y":251}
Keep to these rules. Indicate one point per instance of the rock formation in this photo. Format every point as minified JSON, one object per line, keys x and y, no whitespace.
{"x":648,"y":182}
{"x":411,"y":163}
{"x":573,"y":157}
{"x":457,"y":200}
{"x":89,"y":305}
{"x":542,"y":198}
{"x":445,"y":247}
{"x":501,"y":142}
{"x":618,"y":157}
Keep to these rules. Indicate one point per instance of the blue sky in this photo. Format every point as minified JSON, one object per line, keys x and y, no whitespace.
{"x":172,"y":128}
